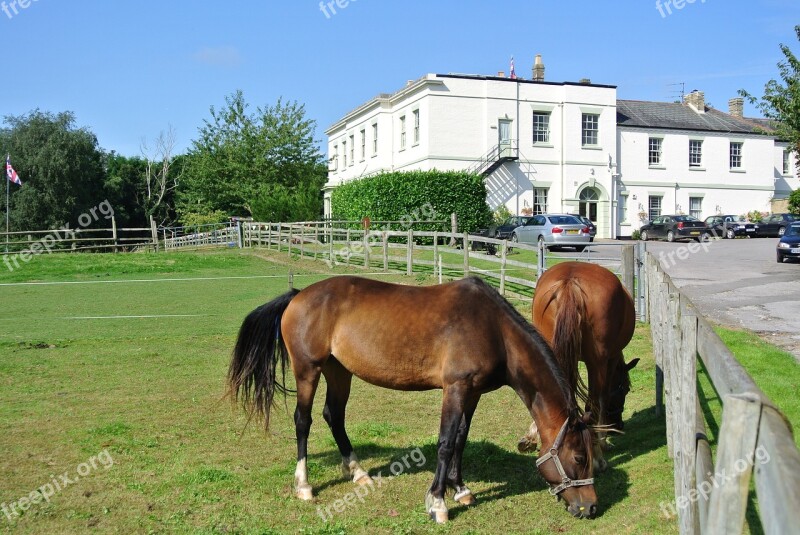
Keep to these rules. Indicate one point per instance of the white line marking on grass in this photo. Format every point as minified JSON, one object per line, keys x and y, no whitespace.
{"x":283,"y":276}
{"x":136,"y":317}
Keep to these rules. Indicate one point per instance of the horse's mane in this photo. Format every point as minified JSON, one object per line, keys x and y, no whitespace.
{"x":536,"y":337}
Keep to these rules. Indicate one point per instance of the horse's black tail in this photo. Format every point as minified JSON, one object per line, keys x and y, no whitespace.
{"x":258,"y":351}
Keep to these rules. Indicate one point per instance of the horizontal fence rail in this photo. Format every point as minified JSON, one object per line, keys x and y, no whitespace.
{"x":754,"y":439}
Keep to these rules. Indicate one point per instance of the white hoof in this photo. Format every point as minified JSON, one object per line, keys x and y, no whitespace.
{"x":362,"y":480}
{"x":436,"y":509}
{"x":304,"y":492}
{"x":464,"y":497}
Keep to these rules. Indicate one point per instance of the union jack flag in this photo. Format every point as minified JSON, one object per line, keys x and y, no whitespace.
{"x":11,"y":173}
{"x":513,"y":74}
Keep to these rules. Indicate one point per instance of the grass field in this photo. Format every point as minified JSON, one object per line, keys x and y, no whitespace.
{"x":123,"y":358}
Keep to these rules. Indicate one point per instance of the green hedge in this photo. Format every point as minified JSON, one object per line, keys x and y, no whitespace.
{"x":414,"y":196}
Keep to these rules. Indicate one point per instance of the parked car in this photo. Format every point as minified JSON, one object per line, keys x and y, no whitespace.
{"x":775,"y":225}
{"x":588,"y":223}
{"x":730,"y":226}
{"x":552,"y":230}
{"x":789,"y":244}
{"x":500,"y":232}
{"x":675,"y":227}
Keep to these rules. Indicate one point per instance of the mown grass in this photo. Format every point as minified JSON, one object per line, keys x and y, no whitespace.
{"x":148,"y":390}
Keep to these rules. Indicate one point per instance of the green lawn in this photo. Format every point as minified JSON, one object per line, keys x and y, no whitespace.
{"x":129,"y":365}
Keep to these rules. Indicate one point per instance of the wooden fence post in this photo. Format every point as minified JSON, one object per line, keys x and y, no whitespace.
{"x":154,"y":233}
{"x":114,"y":233}
{"x":347,"y":256}
{"x":466,"y":254}
{"x":385,"y":239}
{"x":435,"y":250}
{"x":331,"y":258}
{"x":628,"y":269}
{"x":291,"y":233}
{"x":503,"y":253}
{"x":738,"y":433}
{"x":410,"y":252}
{"x":453,"y":229}
{"x":685,"y":457}
{"x":366,"y":248}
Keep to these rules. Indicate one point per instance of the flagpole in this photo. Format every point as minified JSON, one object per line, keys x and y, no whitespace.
{"x":8,"y":192}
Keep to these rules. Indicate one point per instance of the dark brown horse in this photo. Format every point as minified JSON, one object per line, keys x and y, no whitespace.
{"x":586,"y":314}
{"x":462,"y":337}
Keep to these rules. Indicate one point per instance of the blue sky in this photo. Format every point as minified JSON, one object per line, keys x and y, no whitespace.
{"x":130,"y":69}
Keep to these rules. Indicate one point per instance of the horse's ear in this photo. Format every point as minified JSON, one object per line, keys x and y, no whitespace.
{"x":632,"y":364}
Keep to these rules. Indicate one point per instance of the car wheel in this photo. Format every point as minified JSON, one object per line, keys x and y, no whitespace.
{"x":542,"y":243}
{"x":781,"y":231}
{"x":730,"y":234}
{"x":643,"y":235}
{"x":780,"y":258}
{"x":670,"y":236}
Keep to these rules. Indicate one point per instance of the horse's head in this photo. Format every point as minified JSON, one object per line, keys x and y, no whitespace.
{"x":620,"y":385}
{"x":567,"y":466}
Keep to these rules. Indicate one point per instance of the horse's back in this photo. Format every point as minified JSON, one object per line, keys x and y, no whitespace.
{"x":608,"y":307}
{"x":396,"y":336}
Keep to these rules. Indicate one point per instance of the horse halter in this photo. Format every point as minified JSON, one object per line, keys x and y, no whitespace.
{"x":566,"y":482}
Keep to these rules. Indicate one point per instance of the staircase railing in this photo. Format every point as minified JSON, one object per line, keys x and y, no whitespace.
{"x":498,"y":153}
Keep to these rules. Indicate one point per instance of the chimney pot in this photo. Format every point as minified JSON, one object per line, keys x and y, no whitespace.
{"x":697,"y":100}
{"x":585,"y":81}
{"x":501,"y":74}
{"x":538,"y":69}
{"x":736,"y":107}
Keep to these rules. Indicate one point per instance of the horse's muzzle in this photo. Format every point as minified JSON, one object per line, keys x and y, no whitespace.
{"x":582,"y":510}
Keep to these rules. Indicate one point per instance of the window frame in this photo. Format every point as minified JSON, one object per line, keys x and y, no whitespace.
{"x":659,"y":141}
{"x":363,"y":144}
{"x":374,"y":139}
{"x":402,"y":132}
{"x":544,"y":119}
{"x":590,"y":129}
{"x":787,"y":162}
{"x":651,"y":209}
{"x":735,"y":160}
{"x":696,"y":153}
{"x":540,"y":200}
{"x":696,"y":212}
{"x":415,"y":114}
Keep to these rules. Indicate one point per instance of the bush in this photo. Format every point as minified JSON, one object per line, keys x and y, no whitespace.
{"x":794,"y":202}
{"x":414,"y":196}
{"x":636,"y":235}
{"x":755,"y":216}
{"x":501,"y":214}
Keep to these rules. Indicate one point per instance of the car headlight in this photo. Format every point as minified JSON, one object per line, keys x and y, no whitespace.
{"x":784,"y":245}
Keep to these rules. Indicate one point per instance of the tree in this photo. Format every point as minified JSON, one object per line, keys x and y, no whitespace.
{"x":61,"y":168}
{"x":161,"y":177}
{"x":781,"y":100}
{"x":123,"y":189}
{"x":245,"y":162}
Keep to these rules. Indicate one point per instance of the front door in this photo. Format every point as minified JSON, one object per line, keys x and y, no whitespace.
{"x":587,"y":206}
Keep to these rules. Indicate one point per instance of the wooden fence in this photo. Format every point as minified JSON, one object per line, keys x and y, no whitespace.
{"x":114,"y":239}
{"x":753,"y":439}
{"x":451,"y":254}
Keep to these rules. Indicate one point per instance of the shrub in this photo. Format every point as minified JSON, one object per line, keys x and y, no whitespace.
{"x":413,"y":196}
{"x":755,"y":216}
{"x":501,"y":214}
{"x":636,"y":235}
{"x":794,"y":202}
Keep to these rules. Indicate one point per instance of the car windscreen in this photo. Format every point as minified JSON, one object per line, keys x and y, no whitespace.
{"x":564,"y":220}
{"x":793,"y":230}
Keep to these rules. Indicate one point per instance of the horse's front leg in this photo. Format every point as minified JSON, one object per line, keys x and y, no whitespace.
{"x":455,"y":481}
{"x":453,"y":413}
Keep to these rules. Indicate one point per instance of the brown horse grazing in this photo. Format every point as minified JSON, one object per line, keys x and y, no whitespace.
{"x":586,"y":314}
{"x":462,"y":337}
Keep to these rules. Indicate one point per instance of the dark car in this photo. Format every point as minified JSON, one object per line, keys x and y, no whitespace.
{"x":675,"y":227}
{"x":730,"y":226}
{"x":789,"y":245}
{"x":775,"y":225}
{"x":500,"y":232}
{"x":588,"y":223}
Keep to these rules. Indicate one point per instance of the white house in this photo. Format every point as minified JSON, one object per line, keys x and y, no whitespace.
{"x":565,"y":147}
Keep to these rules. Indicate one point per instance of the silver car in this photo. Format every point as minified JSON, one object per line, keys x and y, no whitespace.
{"x":552,"y":230}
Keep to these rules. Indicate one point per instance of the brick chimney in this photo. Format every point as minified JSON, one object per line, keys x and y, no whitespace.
{"x":501,"y":74}
{"x":697,"y":100}
{"x":736,"y":107}
{"x":538,"y":69}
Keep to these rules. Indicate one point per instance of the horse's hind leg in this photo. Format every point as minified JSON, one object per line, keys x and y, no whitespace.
{"x":307,"y":377}
{"x":339,"y":381}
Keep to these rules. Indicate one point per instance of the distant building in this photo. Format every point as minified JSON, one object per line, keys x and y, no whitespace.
{"x":567,"y":147}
